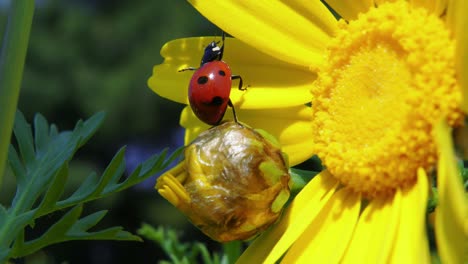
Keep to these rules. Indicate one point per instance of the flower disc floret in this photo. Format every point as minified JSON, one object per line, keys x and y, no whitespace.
{"x":389,"y":78}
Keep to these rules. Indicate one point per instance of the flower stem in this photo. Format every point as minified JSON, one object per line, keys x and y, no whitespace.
{"x":12,"y":57}
{"x":232,"y":250}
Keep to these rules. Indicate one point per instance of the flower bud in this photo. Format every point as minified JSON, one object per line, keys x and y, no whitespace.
{"x":232,"y":184}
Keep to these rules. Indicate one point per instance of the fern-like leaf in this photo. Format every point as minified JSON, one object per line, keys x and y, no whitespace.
{"x":185,"y":252}
{"x":40,"y":165}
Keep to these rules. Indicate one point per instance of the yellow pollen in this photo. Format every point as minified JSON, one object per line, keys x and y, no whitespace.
{"x":389,"y":77}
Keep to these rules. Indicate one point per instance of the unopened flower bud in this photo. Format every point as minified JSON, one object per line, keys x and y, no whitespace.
{"x":233,"y":182}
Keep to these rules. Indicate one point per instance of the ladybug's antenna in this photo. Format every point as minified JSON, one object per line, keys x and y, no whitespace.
{"x":221,"y":52}
{"x":233,"y":111}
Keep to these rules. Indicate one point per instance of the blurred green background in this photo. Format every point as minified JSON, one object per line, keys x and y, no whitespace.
{"x":90,"y":55}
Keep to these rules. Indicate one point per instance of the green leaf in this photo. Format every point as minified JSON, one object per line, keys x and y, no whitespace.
{"x":90,"y":126}
{"x":60,"y":150}
{"x":70,"y":228}
{"x":206,"y":257}
{"x":154,"y":161}
{"x":20,"y":221}
{"x":41,"y":171}
{"x":114,"y":185}
{"x":150,"y":232}
{"x":87,"y":222}
{"x":114,"y":170}
{"x":80,"y":228}
{"x":179,"y":252}
{"x":3,"y":214}
{"x":54,"y":191}
{"x":148,"y":168}
{"x":15,"y":164}
{"x":41,"y":175}
{"x":300,"y":178}
{"x":113,"y":233}
{"x":135,"y":177}
{"x":4,"y":253}
{"x":83,"y":191}
{"x":53,"y":131}
{"x":151,"y":165}
{"x":41,"y":134}
{"x":53,"y":235}
{"x":24,"y":138}
{"x":174,"y":156}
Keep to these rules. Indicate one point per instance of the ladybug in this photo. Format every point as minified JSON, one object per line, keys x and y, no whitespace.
{"x":210,"y":86}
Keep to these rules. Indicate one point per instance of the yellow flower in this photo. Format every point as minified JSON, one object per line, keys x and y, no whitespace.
{"x":274,"y":100}
{"x":232,"y":184}
{"x":387,"y":83}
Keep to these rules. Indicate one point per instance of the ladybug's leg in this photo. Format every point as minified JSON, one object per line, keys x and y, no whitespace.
{"x":188,"y":69}
{"x":241,"y":83}
{"x":233,"y":110}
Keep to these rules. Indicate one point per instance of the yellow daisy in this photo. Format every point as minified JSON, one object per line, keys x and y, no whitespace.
{"x":382,"y":79}
{"x":274,"y":100}
{"x":393,"y":67}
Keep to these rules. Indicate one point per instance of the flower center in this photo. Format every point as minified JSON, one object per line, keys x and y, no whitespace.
{"x":388,"y":79}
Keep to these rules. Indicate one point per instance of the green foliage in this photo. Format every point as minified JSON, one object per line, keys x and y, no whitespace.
{"x":41,"y":171}
{"x":103,"y":52}
{"x":433,"y":200}
{"x":186,"y":253}
{"x":300,"y":178}
{"x":12,"y":57}
{"x":464,"y":174}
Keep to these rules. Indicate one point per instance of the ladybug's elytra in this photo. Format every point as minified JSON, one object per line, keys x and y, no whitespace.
{"x":210,"y":86}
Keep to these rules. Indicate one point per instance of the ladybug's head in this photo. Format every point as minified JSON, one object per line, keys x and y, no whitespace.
{"x":212,"y":52}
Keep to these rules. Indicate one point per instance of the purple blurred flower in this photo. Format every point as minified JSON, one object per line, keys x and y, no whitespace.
{"x":138,"y":152}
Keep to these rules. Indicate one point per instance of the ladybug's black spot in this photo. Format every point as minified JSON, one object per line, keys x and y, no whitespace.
{"x":202,"y":80}
{"x":222,"y":73}
{"x":217,"y":101}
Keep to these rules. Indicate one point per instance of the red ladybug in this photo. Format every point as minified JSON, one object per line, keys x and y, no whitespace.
{"x":210,"y":86}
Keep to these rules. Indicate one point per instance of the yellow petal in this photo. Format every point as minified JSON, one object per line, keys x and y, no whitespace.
{"x":437,"y":7}
{"x":291,"y":126}
{"x":452,"y":212}
{"x":170,"y":84}
{"x":327,"y":237}
{"x":272,"y":244}
{"x":272,"y":83}
{"x":350,"y":9}
{"x":410,"y":244}
{"x":293,"y":31}
{"x":457,"y":21}
{"x":273,"y":88}
{"x":375,"y":233}
{"x":461,"y":55}
{"x":450,"y":15}
{"x":453,"y":13}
